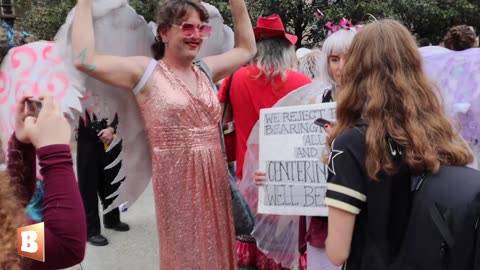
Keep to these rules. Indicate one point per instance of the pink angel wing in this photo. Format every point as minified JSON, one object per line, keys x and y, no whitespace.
{"x":119,"y":30}
{"x":35,"y":69}
{"x":277,"y":236}
{"x":456,"y":73}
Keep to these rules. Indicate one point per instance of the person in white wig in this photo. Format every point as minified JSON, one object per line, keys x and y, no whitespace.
{"x":332,"y":61}
{"x":308,"y":63}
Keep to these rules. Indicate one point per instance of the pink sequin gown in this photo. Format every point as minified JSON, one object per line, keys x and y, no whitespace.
{"x":192,"y":194}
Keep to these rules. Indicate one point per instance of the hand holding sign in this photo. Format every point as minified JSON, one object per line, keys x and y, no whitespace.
{"x":292,"y":176}
{"x":259,"y":178}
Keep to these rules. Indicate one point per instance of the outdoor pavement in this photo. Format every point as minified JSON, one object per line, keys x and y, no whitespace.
{"x":136,"y":249}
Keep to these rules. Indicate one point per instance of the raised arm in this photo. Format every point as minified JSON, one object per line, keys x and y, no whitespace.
{"x":245,"y":48}
{"x":64,"y":216}
{"x":122,"y":72}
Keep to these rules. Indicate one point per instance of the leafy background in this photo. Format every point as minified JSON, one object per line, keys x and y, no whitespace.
{"x":427,"y":19}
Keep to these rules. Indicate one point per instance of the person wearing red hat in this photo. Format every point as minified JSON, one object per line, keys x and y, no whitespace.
{"x":267,"y":79}
{"x":272,"y":27}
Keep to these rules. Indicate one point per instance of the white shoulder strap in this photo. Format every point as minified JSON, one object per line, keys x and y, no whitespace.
{"x":145,"y":77}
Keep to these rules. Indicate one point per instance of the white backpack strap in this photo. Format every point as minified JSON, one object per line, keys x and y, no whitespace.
{"x":148,"y":72}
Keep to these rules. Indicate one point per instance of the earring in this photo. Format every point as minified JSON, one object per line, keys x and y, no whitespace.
{"x":158,"y":39}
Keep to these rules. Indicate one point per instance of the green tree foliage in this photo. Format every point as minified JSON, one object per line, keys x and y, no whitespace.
{"x":432,"y":18}
{"x":146,"y":8}
{"x":43,"y":18}
{"x":425,"y":18}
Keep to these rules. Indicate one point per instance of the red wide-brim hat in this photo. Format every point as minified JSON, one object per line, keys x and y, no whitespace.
{"x":272,"y":27}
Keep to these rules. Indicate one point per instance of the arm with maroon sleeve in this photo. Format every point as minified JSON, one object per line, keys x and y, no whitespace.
{"x":64,"y":215}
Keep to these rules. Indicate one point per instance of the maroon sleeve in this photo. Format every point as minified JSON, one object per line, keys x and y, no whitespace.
{"x":64,"y":215}
{"x":21,"y":166}
{"x":222,"y":92}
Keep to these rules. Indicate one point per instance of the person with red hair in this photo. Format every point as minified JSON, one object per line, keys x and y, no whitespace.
{"x":47,"y":138}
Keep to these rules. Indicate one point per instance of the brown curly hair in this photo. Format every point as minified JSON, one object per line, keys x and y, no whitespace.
{"x":385,"y":85}
{"x":460,"y":37}
{"x":11,"y":221}
{"x":19,"y":39}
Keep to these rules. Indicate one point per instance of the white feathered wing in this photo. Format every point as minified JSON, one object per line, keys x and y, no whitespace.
{"x":120,"y":31}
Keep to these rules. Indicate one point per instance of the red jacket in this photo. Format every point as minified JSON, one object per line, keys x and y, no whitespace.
{"x":248,"y":95}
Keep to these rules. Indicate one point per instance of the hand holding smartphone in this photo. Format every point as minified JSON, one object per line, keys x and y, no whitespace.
{"x":34,"y":106}
{"x":325,"y":124}
{"x":322,"y":122}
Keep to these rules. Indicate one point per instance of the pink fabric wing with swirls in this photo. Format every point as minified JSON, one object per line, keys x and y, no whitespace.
{"x":35,"y":69}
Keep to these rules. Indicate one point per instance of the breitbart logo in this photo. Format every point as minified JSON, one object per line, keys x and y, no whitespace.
{"x":31,"y":242}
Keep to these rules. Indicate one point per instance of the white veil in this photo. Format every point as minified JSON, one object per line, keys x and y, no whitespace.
{"x":277,"y":236}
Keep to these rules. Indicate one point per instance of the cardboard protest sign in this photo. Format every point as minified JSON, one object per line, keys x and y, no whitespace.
{"x":291,"y":150}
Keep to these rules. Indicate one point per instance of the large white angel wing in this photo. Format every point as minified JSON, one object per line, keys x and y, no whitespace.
{"x":119,"y":30}
{"x":221,"y":39}
{"x":35,"y":69}
{"x":277,"y":236}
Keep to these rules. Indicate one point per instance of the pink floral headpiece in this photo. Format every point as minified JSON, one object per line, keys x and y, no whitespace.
{"x":343,"y":24}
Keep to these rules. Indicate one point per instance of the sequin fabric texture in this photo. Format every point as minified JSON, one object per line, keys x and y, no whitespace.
{"x":192,"y":194}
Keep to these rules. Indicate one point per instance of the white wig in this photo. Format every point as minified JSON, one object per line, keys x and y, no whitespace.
{"x":338,"y":42}
{"x":309,"y":64}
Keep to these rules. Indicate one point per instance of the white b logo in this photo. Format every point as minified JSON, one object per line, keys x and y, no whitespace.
{"x":29,"y":243}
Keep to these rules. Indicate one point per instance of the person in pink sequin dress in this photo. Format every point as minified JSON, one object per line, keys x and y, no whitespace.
{"x":181,"y":114}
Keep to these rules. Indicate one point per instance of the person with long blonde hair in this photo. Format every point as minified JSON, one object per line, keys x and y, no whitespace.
{"x":391,"y":124}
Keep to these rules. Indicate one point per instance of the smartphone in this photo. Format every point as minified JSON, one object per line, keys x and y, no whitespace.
{"x":322,"y":122}
{"x":34,"y":107}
